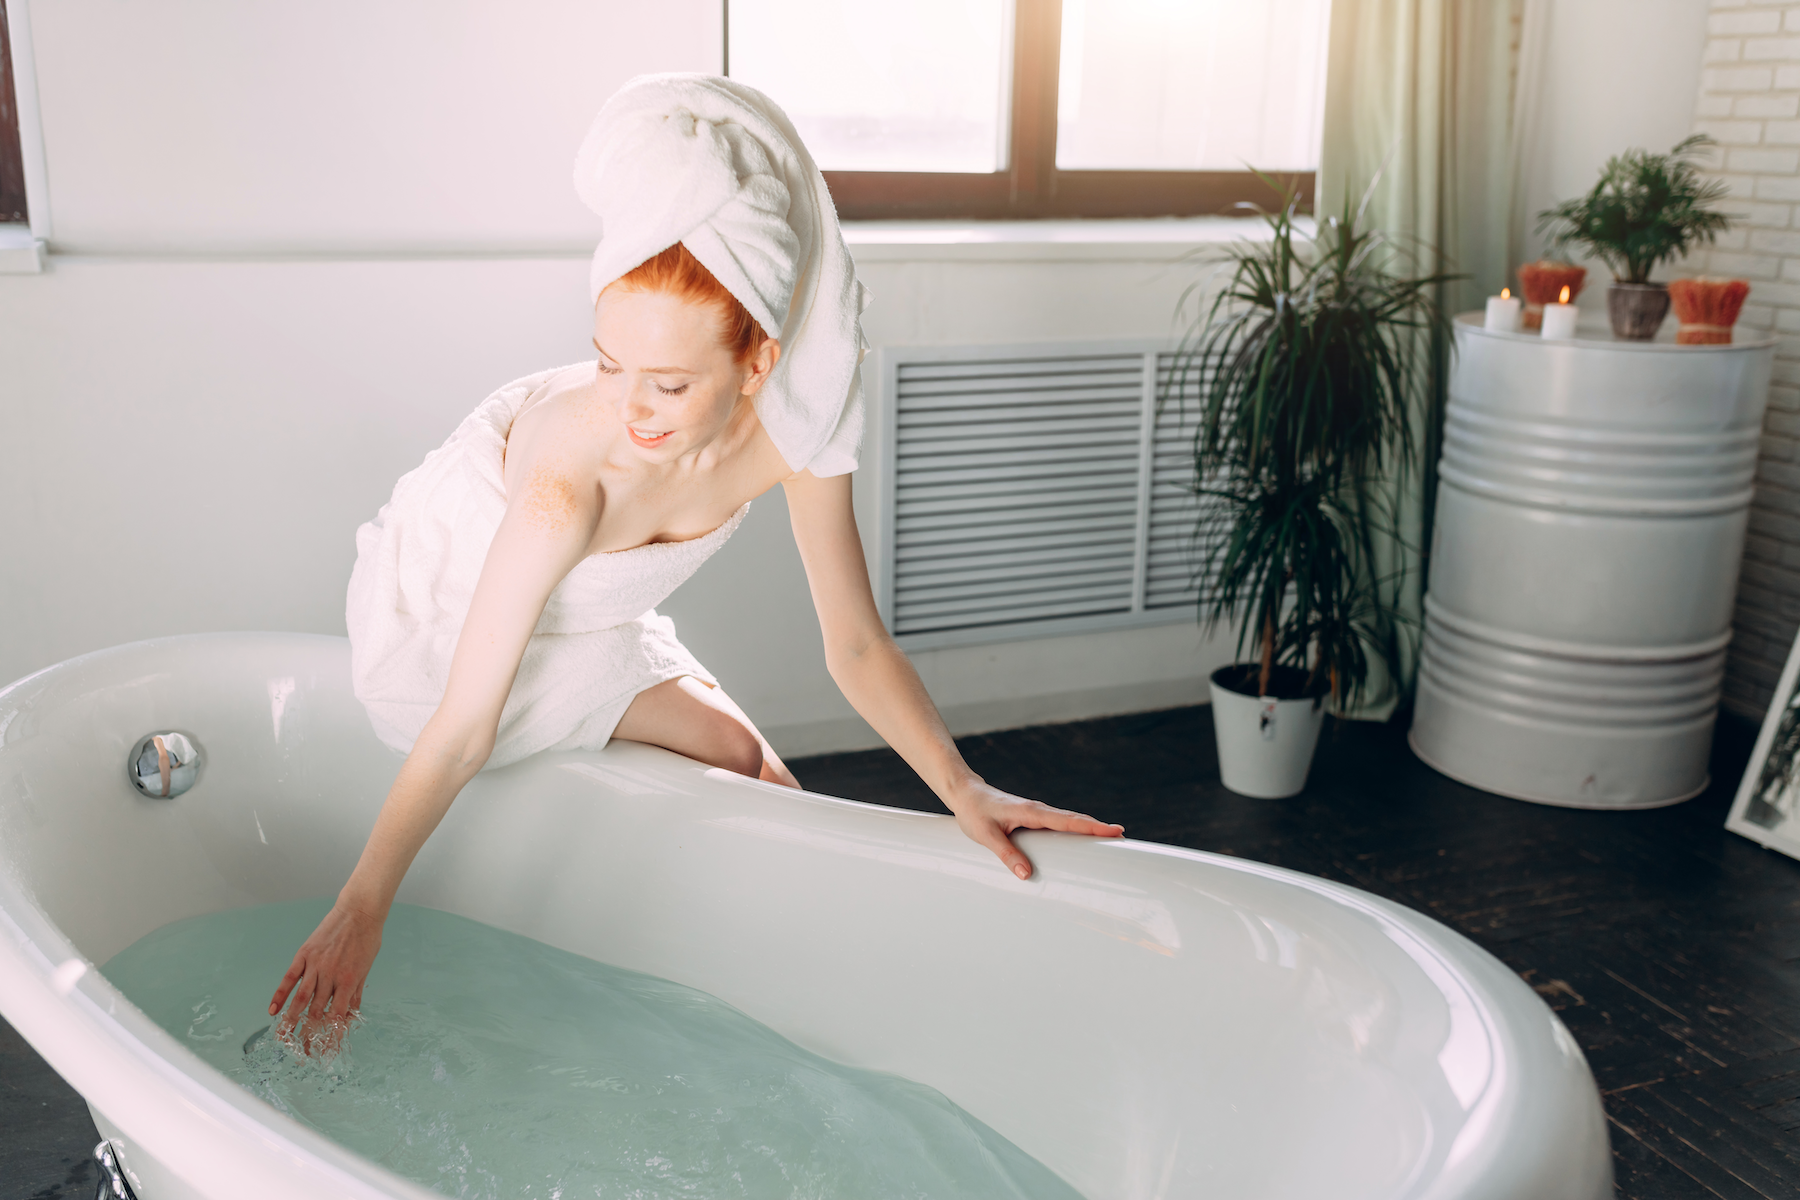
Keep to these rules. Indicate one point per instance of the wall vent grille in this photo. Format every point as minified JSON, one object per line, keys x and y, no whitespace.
{"x":1032,"y":490}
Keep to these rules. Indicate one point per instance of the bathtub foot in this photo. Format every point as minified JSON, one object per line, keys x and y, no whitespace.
{"x":112,"y":1177}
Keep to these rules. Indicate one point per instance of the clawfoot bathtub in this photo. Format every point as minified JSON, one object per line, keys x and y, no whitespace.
{"x":1147,"y":1021}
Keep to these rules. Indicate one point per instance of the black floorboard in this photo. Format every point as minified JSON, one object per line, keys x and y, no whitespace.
{"x":46,"y":1136}
{"x":1668,"y":946}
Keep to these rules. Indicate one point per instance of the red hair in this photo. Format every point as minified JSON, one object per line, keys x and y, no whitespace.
{"x":675,"y":272}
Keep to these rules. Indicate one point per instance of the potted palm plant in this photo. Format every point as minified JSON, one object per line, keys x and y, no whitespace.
{"x":1645,"y":210}
{"x":1312,"y":368}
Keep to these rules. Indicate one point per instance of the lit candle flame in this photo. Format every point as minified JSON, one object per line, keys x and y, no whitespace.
{"x":1506,"y":293}
{"x":1564,"y":298}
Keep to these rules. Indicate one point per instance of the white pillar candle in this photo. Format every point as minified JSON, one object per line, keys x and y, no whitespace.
{"x":1502,"y":313}
{"x":1559,"y":319}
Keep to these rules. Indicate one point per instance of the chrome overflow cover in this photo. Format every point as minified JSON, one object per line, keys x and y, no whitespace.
{"x":164,"y":765}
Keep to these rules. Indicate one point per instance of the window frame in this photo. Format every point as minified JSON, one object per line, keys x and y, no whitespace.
{"x":1033,"y":187}
{"x":23,"y":244}
{"x":15,"y":204}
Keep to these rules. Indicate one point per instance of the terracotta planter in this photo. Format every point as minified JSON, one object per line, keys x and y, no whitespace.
{"x":1707,"y":309}
{"x":1543,"y":282}
{"x":1637,"y":309}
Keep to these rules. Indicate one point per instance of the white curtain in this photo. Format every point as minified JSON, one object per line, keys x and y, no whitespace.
{"x":1420,"y":92}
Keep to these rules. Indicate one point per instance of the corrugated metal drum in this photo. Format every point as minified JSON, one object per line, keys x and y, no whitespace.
{"x":1591,"y":508}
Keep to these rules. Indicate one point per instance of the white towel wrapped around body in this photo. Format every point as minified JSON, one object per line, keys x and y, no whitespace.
{"x":599,"y":643}
{"x":694,"y":159}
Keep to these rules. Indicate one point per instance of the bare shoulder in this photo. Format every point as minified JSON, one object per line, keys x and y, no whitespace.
{"x":764,"y":463}
{"x":555,"y":399}
{"x":557,"y":425}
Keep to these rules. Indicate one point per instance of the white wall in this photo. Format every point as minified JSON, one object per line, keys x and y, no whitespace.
{"x":1749,"y":99}
{"x":193,"y":444}
{"x":290,"y":250}
{"x":337,"y":125}
{"x":1614,"y":74}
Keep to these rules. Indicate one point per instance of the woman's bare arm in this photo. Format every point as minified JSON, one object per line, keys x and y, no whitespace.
{"x":879,"y":680}
{"x":547,"y":529}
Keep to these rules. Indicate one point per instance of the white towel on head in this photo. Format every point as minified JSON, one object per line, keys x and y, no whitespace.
{"x":716,"y":166}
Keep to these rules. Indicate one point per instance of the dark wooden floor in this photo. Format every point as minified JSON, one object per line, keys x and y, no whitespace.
{"x":1670,"y":947}
{"x":46,"y":1135}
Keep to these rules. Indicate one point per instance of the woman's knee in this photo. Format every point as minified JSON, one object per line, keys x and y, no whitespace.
{"x":688,"y":717}
{"x":733,"y":747}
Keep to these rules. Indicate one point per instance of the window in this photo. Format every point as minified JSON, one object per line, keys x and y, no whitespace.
{"x":12,"y":156}
{"x":1043,"y":108}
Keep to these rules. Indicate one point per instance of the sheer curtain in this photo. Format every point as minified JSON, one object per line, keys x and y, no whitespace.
{"x":1420,"y":92}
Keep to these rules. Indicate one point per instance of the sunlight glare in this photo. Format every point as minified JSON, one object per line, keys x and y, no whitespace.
{"x":1199,"y":85}
{"x":923,"y":86}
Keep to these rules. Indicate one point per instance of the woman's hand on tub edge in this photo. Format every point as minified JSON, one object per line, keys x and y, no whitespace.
{"x":325,"y":981}
{"x":988,"y":816}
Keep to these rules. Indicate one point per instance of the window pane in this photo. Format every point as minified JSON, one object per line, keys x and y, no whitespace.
{"x":919,"y":86}
{"x":1191,"y":85}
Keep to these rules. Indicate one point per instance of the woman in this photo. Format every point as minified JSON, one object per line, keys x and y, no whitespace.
{"x":502,"y":602}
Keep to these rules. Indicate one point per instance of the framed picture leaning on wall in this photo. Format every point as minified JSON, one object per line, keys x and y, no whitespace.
{"x":1767,"y":808}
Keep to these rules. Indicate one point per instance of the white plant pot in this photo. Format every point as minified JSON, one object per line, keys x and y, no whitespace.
{"x":1265,"y":745}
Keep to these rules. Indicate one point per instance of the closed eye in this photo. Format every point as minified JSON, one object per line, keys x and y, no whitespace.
{"x":668,"y":391}
{"x":601,"y":361}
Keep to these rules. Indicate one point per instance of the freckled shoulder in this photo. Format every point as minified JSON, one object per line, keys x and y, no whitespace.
{"x":549,"y":499}
{"x":553,"y":451}
{"x":556,"y":469}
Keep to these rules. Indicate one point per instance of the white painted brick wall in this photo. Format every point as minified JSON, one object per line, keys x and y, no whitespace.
{"x":1750,"y":100}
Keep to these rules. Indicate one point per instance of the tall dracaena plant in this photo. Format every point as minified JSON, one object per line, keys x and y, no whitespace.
{"x":1311,"y":366}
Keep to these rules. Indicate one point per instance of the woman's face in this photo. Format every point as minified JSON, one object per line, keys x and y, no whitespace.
{"x":665,"y":373}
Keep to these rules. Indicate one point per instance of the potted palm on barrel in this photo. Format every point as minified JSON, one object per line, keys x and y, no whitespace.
{"x":1312,"y":372}
{"x":1644,"y":210}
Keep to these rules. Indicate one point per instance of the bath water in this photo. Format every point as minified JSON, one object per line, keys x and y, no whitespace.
{"x":490,"y":1065}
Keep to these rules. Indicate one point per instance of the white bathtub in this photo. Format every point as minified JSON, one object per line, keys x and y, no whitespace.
{"x":1147,"y":1021}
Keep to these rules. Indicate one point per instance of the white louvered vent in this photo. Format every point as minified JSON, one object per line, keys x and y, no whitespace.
{"x":1033,"y":490}
{"x":1171,"y":579}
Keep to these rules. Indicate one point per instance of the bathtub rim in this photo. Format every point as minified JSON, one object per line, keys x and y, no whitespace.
{"x":133,"y":1072}
{"x":152,"y":1088}
{"x":272,"y":1147}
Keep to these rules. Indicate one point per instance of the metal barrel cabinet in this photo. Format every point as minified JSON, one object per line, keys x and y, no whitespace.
{"x":1592,"y":502}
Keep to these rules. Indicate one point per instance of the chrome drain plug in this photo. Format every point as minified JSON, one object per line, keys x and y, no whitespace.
{"x":164,"y":765}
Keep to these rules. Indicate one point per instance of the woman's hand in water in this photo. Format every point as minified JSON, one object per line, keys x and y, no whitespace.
{"x":989,"y":815}
{"x":326,"y":980}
